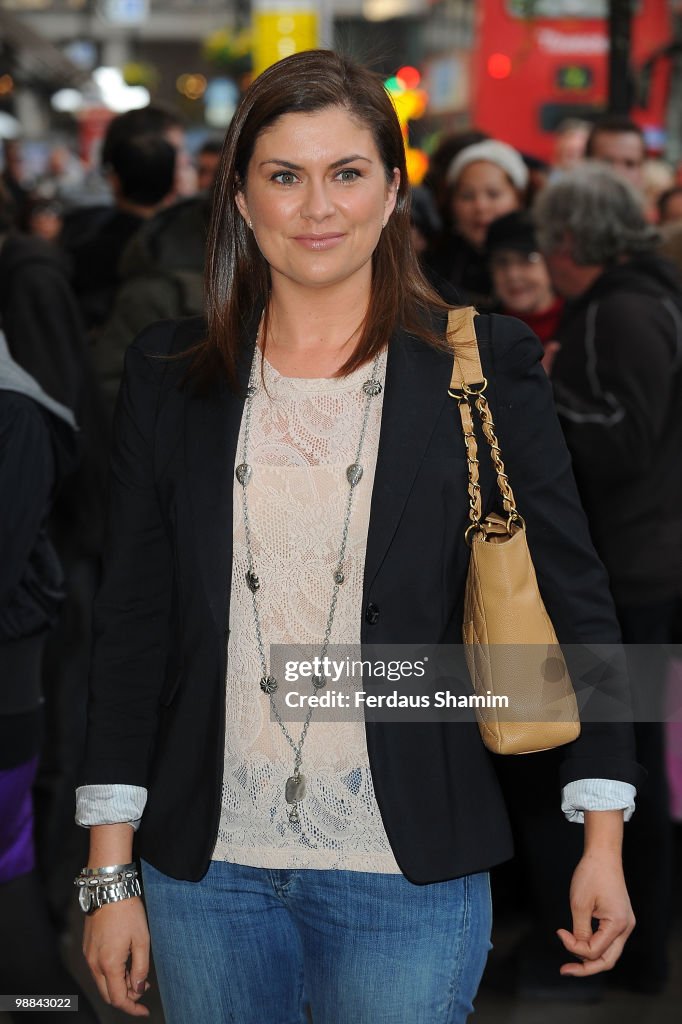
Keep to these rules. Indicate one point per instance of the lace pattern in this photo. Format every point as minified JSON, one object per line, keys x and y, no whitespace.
{"x":304,"y":434}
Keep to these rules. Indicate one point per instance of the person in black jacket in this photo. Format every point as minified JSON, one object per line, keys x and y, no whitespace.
{"x":37,"y":449}
{"x":45,"y":336}
{"x":302,"y":477}
{"x":618,"y":386}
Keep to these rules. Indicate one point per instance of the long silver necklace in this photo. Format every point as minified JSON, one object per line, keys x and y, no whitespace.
{"x":295,"y":786}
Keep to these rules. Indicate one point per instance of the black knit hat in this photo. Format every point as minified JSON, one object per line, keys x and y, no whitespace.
{"x":513,"y":231}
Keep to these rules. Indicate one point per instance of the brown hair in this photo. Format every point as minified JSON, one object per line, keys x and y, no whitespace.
{"x":237,"y":275}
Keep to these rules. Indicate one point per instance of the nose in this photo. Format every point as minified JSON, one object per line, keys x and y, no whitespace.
{"x":317,"y":202}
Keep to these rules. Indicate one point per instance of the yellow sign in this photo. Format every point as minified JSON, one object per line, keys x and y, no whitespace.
{"x":278,"y":34}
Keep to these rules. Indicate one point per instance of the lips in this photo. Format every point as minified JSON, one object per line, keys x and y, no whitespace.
{"x":319,"y":243}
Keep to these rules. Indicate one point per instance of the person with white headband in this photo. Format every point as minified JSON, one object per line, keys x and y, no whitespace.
{"x":485,"y":181}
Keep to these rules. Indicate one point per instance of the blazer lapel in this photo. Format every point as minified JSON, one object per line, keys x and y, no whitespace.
{"x":417,"y":380}
{"x":211,"y":436}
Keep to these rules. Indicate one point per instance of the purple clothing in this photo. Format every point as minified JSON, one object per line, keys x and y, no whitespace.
{"x":17,"y":853}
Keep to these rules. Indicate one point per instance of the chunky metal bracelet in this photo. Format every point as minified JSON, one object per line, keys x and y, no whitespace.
{"x":99,"y":886}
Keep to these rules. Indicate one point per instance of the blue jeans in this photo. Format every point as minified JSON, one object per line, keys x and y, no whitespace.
{"x":254,"y":945}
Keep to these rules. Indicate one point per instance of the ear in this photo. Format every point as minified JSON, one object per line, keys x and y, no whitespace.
{"x":391,"y":195}
{"x":240,"y":200}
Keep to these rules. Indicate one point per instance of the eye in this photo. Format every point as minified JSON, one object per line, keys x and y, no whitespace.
{"x":348,"y":174}
{"x":284,"y":178}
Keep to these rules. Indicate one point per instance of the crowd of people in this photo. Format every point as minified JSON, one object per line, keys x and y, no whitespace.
{"x":587,"y":253}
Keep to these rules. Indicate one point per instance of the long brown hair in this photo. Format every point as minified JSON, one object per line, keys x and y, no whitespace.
{"x":237,"y":275}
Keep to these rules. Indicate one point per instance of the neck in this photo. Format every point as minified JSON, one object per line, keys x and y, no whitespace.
{"x":311,"y":332}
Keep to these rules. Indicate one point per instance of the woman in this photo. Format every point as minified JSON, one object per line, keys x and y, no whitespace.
{"x":485,"y":181}
{"x":345,"y":865}
{"x":521,"y":279}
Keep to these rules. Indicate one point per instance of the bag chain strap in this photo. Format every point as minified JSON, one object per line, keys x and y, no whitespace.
{"x":514,"y":518}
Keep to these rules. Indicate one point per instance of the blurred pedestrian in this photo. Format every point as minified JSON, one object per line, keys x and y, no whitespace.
{"x":435,"y":178}
{"x":569,"y":144}
{"x":619,"y":142}
{"x":37,"y":450}
{"x":484,"y":181}
{"x":142,"y":172}
{"x":618,"y":386}
{"x":670,"y":206}
{"x":44,"y":219}
{"x":657,"y":179}
{"x":521,"y":280}
{"x":161,"y":274}
{"x":13,"y":179}
{"x":45,"y":336}
{"x":207,"y":161}
{"x":63,"y":178}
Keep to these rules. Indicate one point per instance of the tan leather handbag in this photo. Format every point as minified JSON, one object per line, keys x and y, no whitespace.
{"x":511,"y":648}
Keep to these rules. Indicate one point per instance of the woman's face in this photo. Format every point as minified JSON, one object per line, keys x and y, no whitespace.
{"x":482,"y":194}
{"x":521,"y":281}
{"x":317,"y":196}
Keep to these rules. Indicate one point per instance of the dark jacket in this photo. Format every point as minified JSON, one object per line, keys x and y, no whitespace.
{"x":37,"y":449}
{"x":451,"y":258}
{"x":96,"y":258}
{"x":618,"y":386}
{"x":157,"y":713}
{"x":161,"y":276}
{"x":45,"y":335}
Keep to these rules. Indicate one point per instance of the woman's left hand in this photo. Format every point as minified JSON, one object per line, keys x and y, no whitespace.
{"x":597,"y":891}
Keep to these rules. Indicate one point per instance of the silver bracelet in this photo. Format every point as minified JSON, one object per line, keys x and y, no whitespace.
{"x":102,"y":876}
{"x":113,"y":869}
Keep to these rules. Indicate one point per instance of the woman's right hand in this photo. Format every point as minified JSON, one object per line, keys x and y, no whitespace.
{"x":114,"y":935}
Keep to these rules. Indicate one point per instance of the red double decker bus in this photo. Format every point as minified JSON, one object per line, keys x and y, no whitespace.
{"x":536,"y":63}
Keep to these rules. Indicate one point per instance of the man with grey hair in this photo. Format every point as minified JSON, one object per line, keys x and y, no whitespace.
{"x":618,"y":390}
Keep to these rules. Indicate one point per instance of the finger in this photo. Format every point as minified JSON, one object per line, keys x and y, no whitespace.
{"x":115,"y":977}
{"x":581,"y":914}
{"x":101,"y":983}
{"x":604,"y":962}
{"x":134,"y":992}
{"x":589,"y":967}
{"x":139,"y":964}
{"x":598,"y":942}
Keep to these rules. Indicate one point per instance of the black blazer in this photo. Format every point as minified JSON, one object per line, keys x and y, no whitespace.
{"x":156,"y":715}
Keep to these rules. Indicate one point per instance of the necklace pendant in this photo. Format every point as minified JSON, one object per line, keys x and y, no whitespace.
{"x":268,"y":684}
{"x":293,"y":815}
{"x":294,"y":789}
{"x":252,"y":581}
{"x":318,"y":682}
{"x":354,"y":474}
{"x":372,"y":387}
{"x":243,"y":473}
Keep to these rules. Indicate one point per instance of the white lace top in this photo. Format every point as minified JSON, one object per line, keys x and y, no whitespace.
{"x":304,"y":433}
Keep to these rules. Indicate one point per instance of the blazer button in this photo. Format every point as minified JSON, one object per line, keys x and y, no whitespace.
{"x":372,"y":614}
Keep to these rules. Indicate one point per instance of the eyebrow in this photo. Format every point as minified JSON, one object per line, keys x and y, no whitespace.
{"x":332,"y":167}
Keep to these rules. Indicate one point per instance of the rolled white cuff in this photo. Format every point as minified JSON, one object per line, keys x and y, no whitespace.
{"x":110,"y":805}
{"x":597,"y":795}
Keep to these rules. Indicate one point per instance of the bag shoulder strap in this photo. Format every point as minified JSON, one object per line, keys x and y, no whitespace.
{"x":467,"y":386}
{"x":461,"y":335}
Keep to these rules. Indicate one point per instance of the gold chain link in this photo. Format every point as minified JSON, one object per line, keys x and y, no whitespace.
{"x":474,"y":488}
{"x":488,"y":425}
